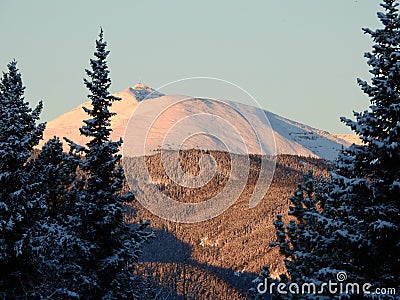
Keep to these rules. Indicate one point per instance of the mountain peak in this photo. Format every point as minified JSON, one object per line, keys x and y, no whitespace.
{"x":141,"y":86}
{"x":142,"y":92}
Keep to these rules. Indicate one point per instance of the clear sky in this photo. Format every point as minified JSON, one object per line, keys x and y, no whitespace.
{"x":299,"y":59}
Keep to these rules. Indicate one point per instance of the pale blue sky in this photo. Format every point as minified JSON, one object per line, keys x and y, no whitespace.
{"x":299,"y":59}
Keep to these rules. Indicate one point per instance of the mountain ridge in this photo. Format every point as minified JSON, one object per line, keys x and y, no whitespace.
{"x":291,"y":137}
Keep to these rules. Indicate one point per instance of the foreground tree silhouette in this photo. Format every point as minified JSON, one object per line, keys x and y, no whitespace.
{"x":114,"y":245}
{"x":351,"y":223}
{"x":19,"y":210}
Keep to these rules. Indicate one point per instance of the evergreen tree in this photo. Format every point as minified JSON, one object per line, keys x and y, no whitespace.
{"x":351,"y":223}
{"x":113,"y":244}
{"x":311,"y":243}
{"x":367,"y":178}
{"x":57,"y":248}
{"x":19,"y":211}
{"x":54,"y":171}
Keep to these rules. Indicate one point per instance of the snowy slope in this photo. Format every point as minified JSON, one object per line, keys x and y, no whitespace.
{"x":351,"y":138}
{"x":290,"y":135}
{"x":224,"y":126}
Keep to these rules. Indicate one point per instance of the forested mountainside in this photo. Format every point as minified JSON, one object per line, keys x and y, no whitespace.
{"x":224,"y":253}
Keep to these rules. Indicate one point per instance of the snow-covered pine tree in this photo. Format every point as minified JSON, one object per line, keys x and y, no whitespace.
{"x":313,"y":253}
{"x":114,"y":244}
{"x":355,"y":225}
{"x":367,"y":180}
{"x":19,"y":133}
{"x":54,"y":171}
{"x":58,"y":251}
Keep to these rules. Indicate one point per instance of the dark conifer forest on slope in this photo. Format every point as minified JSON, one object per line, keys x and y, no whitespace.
{"x":71,"y":228}
{"x":226,"y":251}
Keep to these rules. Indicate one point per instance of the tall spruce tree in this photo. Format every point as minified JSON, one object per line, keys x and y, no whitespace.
{"x":351,"y":223}
{"x":367,"y":179}
{"x":113,"y":244}
{"x":19,"y":211}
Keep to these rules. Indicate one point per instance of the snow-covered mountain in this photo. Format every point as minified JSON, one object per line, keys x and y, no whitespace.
{"x":165,"y":120}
